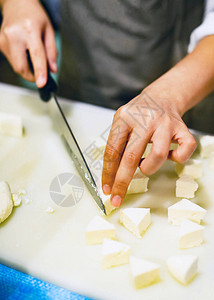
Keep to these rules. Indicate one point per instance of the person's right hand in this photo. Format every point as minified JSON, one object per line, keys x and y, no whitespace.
{"x":26,"y":26}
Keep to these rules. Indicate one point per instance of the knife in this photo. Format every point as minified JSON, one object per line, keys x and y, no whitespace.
{"x":47,"y":93}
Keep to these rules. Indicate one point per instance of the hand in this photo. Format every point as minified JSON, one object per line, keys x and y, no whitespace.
{"x":149,"y":117}
{"x":26,"y":26}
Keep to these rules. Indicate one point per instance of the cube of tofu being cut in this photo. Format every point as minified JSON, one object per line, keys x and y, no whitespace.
{"x":98,"y":229}
{"x":139,"y":183}
{"x":143,"y":271}
{"x":183,"y":267}
{"x":107,"y":203}
{"x":136,"y":220}
{"x":206,"y":143}
{"x":192,"y":167}
{"x":11,"y":125}
{"x":114,"y":253}
{"x":185,"y":209}
{"x":186,"y":187}
{"x":191,"y":234}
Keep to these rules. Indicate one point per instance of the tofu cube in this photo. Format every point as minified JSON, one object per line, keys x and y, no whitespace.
{"x":138,"y":184}
{"x":99,"y":229}
{"x":107,"y":203}
{"x":114,"y":253}
{"x":143,"y":271}
{"x":206,"y":143}
{"x":136,"y":220}
{"x":185,"y":209}
{"x":192,"y":168}
{"x":191,"y":234}
{"x":186,"y":187}
{"x":183,"y":267}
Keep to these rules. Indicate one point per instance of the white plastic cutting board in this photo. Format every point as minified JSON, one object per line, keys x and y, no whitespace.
{"x":52,"y":247}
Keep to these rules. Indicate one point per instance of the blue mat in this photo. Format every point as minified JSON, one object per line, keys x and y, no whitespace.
{"x":15,"y":285}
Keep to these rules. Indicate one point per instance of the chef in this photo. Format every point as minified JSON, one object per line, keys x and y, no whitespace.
{"x":125,"y":54}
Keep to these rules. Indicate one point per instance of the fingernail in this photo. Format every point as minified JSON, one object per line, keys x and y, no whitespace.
{"x":40,"y":82}
{"x":106,"y":189}
{"x":116,"y":201}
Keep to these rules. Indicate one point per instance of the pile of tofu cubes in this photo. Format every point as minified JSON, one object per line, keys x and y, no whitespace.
{"x":183,"y":213}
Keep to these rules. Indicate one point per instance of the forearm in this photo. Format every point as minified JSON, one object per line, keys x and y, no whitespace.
{"x":192,"y":79}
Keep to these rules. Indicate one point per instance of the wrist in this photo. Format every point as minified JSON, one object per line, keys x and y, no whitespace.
{"x":166,"y":91}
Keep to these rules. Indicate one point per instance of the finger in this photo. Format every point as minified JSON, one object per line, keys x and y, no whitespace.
{"x":161,"y":140}
{"x":116,"y":143}
{"x":50,"y":47}
{"x":128,"y":165}
{"x":19,"y":65}
{"x":39,"y":61}
{"x":187,"y":145}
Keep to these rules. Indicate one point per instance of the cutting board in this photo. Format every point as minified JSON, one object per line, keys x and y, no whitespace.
{"x":52,"y":247}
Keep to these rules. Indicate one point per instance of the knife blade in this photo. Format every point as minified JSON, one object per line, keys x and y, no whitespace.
{"x":47,"y":93}
{"x":75,"y":152}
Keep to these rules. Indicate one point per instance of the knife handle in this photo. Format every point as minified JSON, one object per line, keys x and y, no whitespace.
{"x":50,"y":88}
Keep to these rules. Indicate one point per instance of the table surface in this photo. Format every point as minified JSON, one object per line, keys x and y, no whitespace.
{"x":52,"y":247}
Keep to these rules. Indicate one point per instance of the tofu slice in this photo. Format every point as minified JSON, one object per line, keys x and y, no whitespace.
{"x":138,"y":184}
{"x":6,"y":202}
{"x":206,"y":143}
{"x":114,"y":253}
{"x":143,"y":271}
{"x":185,"y":209}
{"x":99,"y":229}
{"x":186,"y":187}
{"x":192,"y":167}
{"x":136,"y":220}
{"x":11,"y":125}
{"x":183,"y":267}
{"x":191,"y":234}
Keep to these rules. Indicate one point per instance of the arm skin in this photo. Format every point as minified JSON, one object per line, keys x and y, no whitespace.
{"x":26,"y":26}
{"x":155,"y":116}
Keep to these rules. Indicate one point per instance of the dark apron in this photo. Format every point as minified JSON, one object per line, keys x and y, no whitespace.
{"x":112,"y":49}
